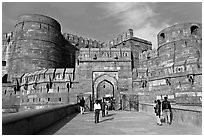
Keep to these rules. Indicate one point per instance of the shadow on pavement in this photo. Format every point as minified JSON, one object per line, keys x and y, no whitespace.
{"x":85,"y":113}
{"x":106,"y":119}
{"x":109,"y":115}
{"x":55,"y":127}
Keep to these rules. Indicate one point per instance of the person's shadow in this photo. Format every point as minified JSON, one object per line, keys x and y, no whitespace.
{"x":109,"y":115}
{"x":171,"y":117}
{"x":107,"y":119}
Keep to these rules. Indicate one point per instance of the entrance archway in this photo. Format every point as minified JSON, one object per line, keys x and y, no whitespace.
{"x":104,"y":88}
{"x":99,"y":93}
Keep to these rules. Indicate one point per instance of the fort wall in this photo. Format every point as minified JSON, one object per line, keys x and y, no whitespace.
{"x":38,"y":44}
{"x":174,"y":69}
{"x":36,"y":51}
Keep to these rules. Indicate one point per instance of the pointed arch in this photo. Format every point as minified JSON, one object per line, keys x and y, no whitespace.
{"x":105,"y":77}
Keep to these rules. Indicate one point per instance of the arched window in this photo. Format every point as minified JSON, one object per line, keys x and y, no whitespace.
{"x":95,"y":57}
{"x":3,"y":63}
{"x":194,"y":29}
{"x":162,"y":35}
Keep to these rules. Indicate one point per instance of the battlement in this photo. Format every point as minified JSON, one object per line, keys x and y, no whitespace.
{"x":81,"y":42}
{"x":121,"y":38}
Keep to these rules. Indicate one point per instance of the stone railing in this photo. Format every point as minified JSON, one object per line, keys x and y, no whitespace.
{"x":33,"y":121}
{"x":186,"y":115}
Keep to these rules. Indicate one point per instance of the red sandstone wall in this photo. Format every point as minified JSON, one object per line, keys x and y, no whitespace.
{"x":171,"y":69}
{"x":37,"y":44}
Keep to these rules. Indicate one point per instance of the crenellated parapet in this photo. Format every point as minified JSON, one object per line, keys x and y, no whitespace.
{"x":81,"y":42}
{"x":121,"y":38}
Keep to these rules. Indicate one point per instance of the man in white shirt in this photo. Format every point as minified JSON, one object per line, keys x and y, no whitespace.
{"x":97,"y":108}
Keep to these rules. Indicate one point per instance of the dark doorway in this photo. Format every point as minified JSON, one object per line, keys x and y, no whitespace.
{"x":105,"y":91}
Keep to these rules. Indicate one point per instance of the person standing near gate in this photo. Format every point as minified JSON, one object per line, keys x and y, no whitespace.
{"x":82,"y":105}
{"x":97,"y":108}
{"x":157,"y":110}
{"x":103,"y":108}
{"x":166,"y":110}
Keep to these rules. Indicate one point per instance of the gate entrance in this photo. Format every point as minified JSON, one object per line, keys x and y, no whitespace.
{"x":105,"y":86}
{"x":105,"y":89}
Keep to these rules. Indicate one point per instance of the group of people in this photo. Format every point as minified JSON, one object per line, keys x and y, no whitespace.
{"x":163,"y":111}
{"x":100,"y":106}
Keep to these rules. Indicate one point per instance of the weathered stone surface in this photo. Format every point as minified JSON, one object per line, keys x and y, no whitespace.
{"x":177,"y":65}
{"x":123,"y":65}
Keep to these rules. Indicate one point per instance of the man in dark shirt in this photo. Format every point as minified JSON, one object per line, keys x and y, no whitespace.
{"x":166,"y":110}
{"x":82,"y":104}
{"x":103,"y":107}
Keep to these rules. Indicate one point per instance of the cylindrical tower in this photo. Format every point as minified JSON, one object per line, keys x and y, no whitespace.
{"x":37,"y":45}
{"x":179,"y":42}
{"x":180,"y":53}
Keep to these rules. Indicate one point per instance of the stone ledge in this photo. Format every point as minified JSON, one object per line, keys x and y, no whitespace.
{"x":174,"y":106}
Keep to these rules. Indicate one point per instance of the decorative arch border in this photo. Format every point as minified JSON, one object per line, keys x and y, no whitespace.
{"x":105,"y":77}
{"x":109,"y":83}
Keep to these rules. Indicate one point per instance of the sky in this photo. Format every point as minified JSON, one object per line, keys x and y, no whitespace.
{"x":104,"y":21}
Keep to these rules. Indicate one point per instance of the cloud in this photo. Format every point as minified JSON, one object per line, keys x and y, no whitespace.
{"x":141,"y":17}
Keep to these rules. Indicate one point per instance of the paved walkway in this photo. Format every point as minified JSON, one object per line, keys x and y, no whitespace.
{"x":118,"y":123}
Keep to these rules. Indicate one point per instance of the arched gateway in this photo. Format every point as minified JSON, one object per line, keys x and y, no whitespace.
{"x":106,"y":85}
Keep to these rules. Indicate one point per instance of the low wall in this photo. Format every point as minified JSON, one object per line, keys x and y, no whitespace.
{"x":186,"y":115}
{"x":33,"y":121}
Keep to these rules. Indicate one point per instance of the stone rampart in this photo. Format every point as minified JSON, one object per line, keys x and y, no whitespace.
{"x":33,"y":121}
{"x":38,"y":44}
